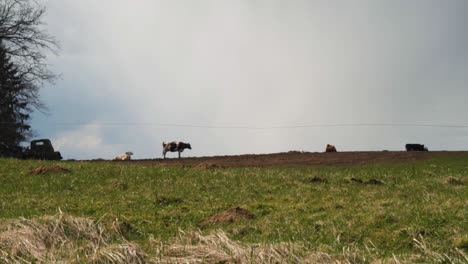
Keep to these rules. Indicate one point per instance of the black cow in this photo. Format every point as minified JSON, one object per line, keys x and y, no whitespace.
{"x":175,"y":146}
{"x":415,"y":147}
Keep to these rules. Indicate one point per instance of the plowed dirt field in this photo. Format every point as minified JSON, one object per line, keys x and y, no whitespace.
{"x":298,"y":159}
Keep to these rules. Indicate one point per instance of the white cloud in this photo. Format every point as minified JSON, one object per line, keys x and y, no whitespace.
{"x":85,"y":142}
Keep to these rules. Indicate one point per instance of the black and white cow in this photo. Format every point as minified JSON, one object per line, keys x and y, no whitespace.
{"x":175,"y":146}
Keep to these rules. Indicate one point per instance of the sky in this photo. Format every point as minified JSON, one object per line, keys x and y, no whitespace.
{"x":241,"y":76}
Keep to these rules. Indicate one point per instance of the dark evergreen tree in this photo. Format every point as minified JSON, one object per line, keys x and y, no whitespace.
{"x":23,"y":48}
{"x":15,"y":110}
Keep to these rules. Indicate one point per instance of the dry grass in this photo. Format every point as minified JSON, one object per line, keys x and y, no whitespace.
{"x":123,"y":253}
{"x":218,"y":248}
{"x":68,"y":239}
{"x":62,"y":238}
{"x":42,"y":169}
{"x":457,"y":256}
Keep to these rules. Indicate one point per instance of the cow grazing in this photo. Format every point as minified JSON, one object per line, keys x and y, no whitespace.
{"x":415,"y":147}
{"x":175,"y":146}
{"x":330,"y":148}
{"x":125,"y":156}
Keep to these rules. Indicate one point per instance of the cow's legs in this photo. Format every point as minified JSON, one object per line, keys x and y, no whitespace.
{"x":179,"y":154}
{"x":164,"y":154}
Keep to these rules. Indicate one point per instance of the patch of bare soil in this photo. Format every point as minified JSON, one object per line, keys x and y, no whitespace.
{"x":207,"y":166}
{"x":229,"y":216}
{"x":299,"y":159}
{"x":43,"y":169}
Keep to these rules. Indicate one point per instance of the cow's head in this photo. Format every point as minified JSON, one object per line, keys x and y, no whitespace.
{"x":188,"y":146}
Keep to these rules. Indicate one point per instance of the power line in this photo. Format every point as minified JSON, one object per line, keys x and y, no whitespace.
{"x":251,"y":127}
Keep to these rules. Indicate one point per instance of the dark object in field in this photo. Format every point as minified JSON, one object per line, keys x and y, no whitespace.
{"x":124,"y":228}
{"x":41,"y":149}
{"x":229,"y":216}
{"x":330,"y":148}
{"x":415,"y":147}
{"x":206,"y":166}
{"x":48,"y":169}
{"x":454,"y":181}
{"x":317,"y":179}
{"x":356,"y":180}
{"x":371,"y":181}
{"x":175,"y":146}
{"x":374,"y":181}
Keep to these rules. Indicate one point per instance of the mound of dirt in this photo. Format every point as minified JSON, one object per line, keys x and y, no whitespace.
{"x":317,"y":179}
{"x":229,"y":216}
{"x":43,"y":169}
{"x":371,"y":181}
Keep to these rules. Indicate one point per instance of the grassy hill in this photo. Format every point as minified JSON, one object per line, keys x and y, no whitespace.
{"x":415,"y":211}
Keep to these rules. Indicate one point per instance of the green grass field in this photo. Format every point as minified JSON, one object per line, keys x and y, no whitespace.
{"x":323,"y":209}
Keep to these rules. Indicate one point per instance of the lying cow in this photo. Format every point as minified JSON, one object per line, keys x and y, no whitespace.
{"x":125,"y":156}
{"x":175,"y":146}
{"x":330,"y":148}
{"x":415,"y":147}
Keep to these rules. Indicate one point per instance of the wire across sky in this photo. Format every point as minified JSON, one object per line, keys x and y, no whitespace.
{"x":297,"y":126}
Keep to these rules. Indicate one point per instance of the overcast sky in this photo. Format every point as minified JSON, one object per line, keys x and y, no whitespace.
{"x":128,"y":66}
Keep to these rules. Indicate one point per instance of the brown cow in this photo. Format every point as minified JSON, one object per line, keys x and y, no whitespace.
{"x":330,"y":148}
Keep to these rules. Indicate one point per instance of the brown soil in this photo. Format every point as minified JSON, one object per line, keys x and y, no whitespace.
{"x":229,"y":216}
{"x":205,"y":166}
{"x":298,"y":159}
{"x":48,"y":169}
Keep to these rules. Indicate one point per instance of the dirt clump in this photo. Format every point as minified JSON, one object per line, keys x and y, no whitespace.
{"x":229,"y":216}
{"x":374,"y":182}
{"x":317,"y":179}
{"x":368,"y":182}
{"x":454,"y":181}
{"x":357,"y":180}
{"x":43,"y":169}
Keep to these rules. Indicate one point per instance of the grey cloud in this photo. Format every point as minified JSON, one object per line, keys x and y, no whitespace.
{"x":260,"y":63}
